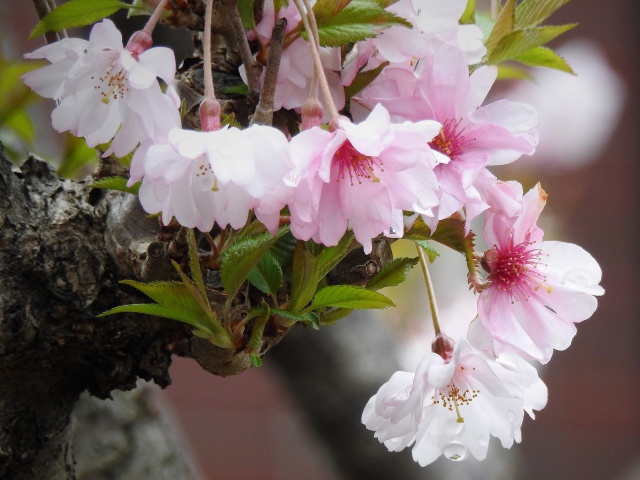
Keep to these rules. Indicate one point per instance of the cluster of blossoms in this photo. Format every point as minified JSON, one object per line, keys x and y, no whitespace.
{"x":419,"y":140}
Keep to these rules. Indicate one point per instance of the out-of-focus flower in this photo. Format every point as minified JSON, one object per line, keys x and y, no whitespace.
{"x":538,"y":290}
{"x":105,"y":91}
{"x":453,"y":408}
{"x":362,"y":176}
{"x":472,"y":136}
{"x":578,"y":113}
{"x":202,"y":178}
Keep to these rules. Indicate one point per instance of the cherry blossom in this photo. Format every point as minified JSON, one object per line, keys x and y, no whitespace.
{"x":105,"y":91}
{"x":361,"y":176}
{"x":202,"y":178}
{"x":472,"y":136}
{"x":538,"y":290}
{"x":453,"y":408}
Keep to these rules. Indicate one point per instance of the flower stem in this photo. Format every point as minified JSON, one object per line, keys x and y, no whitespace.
{"x":209,"y":92}
{"x":430,"y":292}
{"x":155,"y":16}
{"x":315,"y":53}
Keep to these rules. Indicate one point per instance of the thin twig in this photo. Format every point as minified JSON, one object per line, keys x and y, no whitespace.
{"x":251,"y":67}
{"x":43,"y":8}
{"x":264,"y":110}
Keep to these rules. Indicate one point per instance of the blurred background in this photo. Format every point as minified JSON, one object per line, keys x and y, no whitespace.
{"x":297,"y":417}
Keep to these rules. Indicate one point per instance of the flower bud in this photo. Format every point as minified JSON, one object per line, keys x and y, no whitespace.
{"x":443,"y":346}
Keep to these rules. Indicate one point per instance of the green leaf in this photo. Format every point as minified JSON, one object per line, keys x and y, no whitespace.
{"x":245,"y":8}
{"x":543,"y":57}
{"x":311,"y":318}
{"x":418,"y":231}
{"x":332,"y":316}
{"x":283,"y":250}
{"x":392,"y":274}
{"x":358,"y":20}
{"x":255,"y":342}
{"x":194,"y":262}
{"x":267,"y":275}
{"x":531,"y":13}
{"x":349,"y":296}
{"x":330,"y":257}
{"x":431,"y":252}
{"x":240,"y":258}
{"x":76,"y":13}
{"x":469,"y":14}
{"x":522,"y":41}
{"x":505,"y":24}
{"x":116,"y":183}
{"x":304,"y":278}
{"x":174,"y":296}
{"x":363,"y":79}
{"x":153,"y":309}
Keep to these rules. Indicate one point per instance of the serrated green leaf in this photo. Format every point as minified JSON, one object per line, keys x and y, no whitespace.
{"x":468,"y":16}
{"x":363,"y":79}
{"x":358,"y":20}
{"x":76,"y":13}
{"x":267,"y":275}
{"x":240,"y":258}
{"x":505,"y":24}
{"x":311,"y":319}
{"x":431,"y":252}
{"x":304,"y":278}
{"x":522,"y":41}
{"x":531,"y":13}
{"x":332,"y":316}
{"x":330,"y":257}
{"x":116,"y":183}
{"x":283,"y":251}
{"x":393,"y":273}
{"x":543,"y":57}
{"x":349,"y":296}
{"x":245,"y":8}
{"x":418,"y":231}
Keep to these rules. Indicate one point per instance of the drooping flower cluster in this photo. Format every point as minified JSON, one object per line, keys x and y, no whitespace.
{"x":419,"y":143}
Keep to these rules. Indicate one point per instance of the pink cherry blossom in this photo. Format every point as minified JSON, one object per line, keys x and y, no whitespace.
{"x":453,"y":408}
{"x":538,"y":290}
{"x":105,"y":91}
{"x":472,"y":136}
{"x":202,"y":178}
{"x":361,"y":176}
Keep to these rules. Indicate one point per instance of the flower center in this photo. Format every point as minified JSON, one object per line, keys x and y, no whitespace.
{"x":515,"y":269}
{"x":454,"y":398}
{"x":358,"y":166}
{"x":450,"y":141}
{"x":112,"y":84}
